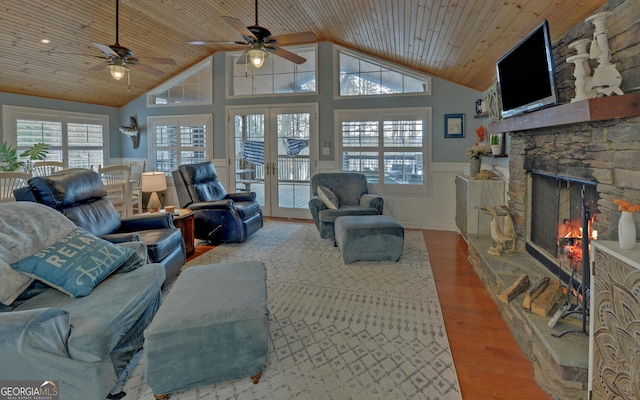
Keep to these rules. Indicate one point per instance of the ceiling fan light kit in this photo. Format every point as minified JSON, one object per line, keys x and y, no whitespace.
{"x":118,"y":71}
{"x":256,"y":57}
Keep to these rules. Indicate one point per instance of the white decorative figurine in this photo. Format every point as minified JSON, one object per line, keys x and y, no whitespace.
{"x":606,"y":78}
{"x":582,"y":71}
{"x":501,"y":238}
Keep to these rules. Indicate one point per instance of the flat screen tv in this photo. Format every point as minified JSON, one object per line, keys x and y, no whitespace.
{"x":526,"y":75}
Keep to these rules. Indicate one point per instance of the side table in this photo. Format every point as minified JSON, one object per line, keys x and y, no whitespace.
{"x":183,"y":218}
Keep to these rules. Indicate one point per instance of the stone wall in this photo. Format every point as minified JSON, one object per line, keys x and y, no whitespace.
{"x":623,"y":26}
{"x":608,"y":152}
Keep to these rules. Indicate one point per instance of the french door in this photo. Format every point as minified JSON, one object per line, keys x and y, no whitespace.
{"x":273,"y":155}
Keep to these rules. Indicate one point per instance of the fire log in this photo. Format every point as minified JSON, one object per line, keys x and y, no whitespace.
{"x":520,"y":285}
{"x":543,"y":304}
{"x":534,"y":291}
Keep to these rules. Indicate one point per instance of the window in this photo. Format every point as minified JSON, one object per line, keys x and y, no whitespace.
{"x":177,"y":140}
{"x":364,"y":76}
{"x":388,"y":146}
{"x":77,"y":139}
{"x":191,"y":87}
{"x":277,"y":76}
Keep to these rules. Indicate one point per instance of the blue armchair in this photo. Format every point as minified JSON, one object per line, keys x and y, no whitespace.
{"x":352,"y":192}
{"x":219,"y":216}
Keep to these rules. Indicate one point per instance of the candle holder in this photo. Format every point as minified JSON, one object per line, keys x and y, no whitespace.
{"x":606,"y":78}
{"x":582,"y":70}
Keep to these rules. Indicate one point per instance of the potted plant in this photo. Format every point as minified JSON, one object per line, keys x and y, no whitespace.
{"x":496,"y":148}
{"x":9,"y":156}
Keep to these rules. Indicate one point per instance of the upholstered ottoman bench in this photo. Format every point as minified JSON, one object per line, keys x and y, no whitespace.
{"x":369,"y":237}
{"x":212,"y":326}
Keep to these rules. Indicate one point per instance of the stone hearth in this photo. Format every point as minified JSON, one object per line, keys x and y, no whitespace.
{"x":561,"y":365}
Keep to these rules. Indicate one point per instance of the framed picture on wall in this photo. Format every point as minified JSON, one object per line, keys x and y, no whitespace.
{"x":454,"y":125}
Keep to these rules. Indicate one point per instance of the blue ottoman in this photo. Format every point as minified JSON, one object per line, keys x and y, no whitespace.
{"x":369,"y":237}
{"x":213,"y":326}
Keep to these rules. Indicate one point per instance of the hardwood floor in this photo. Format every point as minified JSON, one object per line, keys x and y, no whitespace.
{"x":488,"y":360}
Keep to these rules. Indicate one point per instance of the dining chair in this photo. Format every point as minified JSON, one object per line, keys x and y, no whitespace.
{"x":45,"y":168}
{"x":137,"y":168}
{"x":10,"y":181}
{"x":75,"y":169}
{"x":116,"y":178}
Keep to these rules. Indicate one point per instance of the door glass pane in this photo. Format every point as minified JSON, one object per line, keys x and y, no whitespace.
{"x":249,"y":154}
{"x":293,"y":160}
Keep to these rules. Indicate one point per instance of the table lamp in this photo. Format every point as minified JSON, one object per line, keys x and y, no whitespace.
{"x":153,"y":182}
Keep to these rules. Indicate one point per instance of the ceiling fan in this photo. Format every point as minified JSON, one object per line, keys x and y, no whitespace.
{"x":120,"y":59}
{"x":262,"y":42}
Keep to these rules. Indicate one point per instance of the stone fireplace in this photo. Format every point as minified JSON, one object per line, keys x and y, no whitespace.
{"x":557,"y":206}
{"x":606,"y":153}
{"x":593,"y":143}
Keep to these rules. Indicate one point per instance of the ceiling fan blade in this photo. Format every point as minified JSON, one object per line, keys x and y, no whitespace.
{"x":237,"y":25}
{"x":300,"y":37}
{"x":278,"y":51}
{"x":156,"y":60}
{"x":145,"y":69}
{"x":99,"y":67}
{"x":105,"y":49}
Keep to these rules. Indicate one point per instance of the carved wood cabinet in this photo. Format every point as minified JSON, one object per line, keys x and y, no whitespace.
{"x":614,"y":334}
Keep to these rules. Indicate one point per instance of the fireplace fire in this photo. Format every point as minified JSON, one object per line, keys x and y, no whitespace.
{"x":570,"y":239}
{"x":556,"y":236}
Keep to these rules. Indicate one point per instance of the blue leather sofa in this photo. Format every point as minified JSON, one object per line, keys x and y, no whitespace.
{"x":81,"y":197}
{"x":83,"y":343}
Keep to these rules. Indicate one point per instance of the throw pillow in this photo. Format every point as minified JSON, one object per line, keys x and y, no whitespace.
{"x":76,"y":263}
{"x":25,"y":228}
{"x":328,"y":198}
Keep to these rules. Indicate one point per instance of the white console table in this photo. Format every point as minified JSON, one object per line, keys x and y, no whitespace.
{"x":471,"y":195}
{"x":614,"y":333}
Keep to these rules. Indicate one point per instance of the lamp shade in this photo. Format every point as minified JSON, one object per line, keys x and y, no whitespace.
{"x":118,"y":71}
{"x":256,"y":57}
{"x":153,"y":181}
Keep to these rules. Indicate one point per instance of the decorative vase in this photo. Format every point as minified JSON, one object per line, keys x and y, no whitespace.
{"x":627,"y":231}
{"x":474,"y":167}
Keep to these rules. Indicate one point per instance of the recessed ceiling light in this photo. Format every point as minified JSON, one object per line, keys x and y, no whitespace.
{"x":45,"y":41}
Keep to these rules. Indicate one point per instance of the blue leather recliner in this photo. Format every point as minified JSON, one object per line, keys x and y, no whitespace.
{"x":219,"y":216}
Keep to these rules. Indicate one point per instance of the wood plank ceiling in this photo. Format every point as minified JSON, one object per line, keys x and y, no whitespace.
{"x":457,"y":40}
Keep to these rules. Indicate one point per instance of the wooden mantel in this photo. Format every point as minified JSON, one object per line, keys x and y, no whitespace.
{"x":599,"y":109}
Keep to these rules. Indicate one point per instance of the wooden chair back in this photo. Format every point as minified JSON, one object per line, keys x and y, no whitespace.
{"x":10,"y":181}
{"x":117,"y":179}
{"x":45,"y":168}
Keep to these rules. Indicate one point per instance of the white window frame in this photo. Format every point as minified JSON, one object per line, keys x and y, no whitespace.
{"x":341,"y":116}
{"x":229,"y":59}
{"x":375,"y":60}
{"x":178,"y":79}
{"x":11,"y":115}
{"x":178,"y":120}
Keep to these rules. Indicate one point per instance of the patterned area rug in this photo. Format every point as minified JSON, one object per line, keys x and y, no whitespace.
{"x":368,"y":330}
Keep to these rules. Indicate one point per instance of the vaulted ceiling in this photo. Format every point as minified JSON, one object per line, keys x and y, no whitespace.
{"x":457,"y":40}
